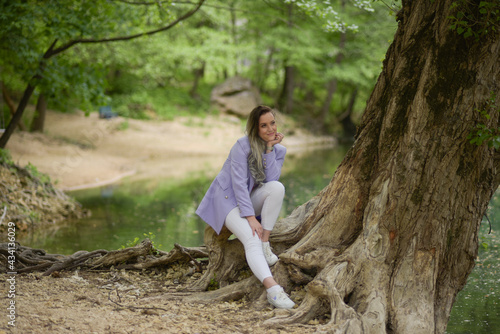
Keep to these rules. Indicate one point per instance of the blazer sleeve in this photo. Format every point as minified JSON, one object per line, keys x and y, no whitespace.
{"x":240,"y":181}
{"x":273,"y":162}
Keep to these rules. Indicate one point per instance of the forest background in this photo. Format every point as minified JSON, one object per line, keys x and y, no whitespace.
{"x":311,"y":61}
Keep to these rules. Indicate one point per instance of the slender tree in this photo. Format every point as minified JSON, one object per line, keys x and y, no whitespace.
{"x":57,"y":47}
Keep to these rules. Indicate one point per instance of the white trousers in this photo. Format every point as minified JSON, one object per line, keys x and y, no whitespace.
{"x":267,"y":201}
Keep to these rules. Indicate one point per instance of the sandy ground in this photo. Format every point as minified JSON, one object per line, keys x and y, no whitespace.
{"x":78,"y":151}
{"x":127,"y":302}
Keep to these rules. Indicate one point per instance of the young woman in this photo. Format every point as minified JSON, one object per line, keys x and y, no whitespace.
{"x":247,"y":187}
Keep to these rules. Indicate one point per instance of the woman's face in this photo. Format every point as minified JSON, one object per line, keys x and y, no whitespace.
{"x":267,"y":127}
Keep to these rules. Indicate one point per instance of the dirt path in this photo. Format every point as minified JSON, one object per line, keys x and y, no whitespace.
{"x":127,"y":302}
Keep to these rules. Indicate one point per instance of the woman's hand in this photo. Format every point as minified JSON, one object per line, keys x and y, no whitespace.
{"x":277,"y":139}
{"x":255,"y":226}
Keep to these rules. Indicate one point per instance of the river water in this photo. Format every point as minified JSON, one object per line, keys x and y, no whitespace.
{"x":163,"y":210}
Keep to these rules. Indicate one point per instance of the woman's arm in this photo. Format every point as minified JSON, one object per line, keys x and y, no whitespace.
{"x":273,"y":162}
{"x":239,"y":178}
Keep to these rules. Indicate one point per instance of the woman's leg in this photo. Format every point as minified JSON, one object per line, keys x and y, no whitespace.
{"x":252,"y":244}
{"x":256,"y":260}
{"x":267,"y":201}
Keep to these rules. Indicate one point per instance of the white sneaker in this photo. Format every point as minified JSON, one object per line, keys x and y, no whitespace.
{"x":271,"y":258}
{"x":280,"y":299}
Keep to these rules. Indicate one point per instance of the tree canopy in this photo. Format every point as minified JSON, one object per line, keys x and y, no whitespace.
{"x":67,"y":51}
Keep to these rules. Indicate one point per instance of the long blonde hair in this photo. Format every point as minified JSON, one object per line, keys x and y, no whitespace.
{"x":257,"y":145}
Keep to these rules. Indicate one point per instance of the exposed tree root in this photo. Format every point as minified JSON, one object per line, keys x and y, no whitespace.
{"x":139,"y":257}
{"x":226,"y":259}
{"x":290,"y":230}
{"x":336,"y":288}
{"x":248,"y":287}
{"x":73,"y":261}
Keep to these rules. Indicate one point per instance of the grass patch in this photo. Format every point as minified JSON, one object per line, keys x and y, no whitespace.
{"x":164,"y":103}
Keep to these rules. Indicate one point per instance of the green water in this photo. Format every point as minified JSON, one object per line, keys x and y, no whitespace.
{"x":477,"y":307}
{"x":164,"y":210}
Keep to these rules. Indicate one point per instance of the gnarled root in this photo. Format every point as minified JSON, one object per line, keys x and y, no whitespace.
{"x":309,"y":309}
{"x":141,"y":256}
{"x":316,"y":259}
{"x":354,"y":307}
{"x":178,"y":253}
{"x":226,"y":259}
{"x":235,"y":291}
{"x":122,"y":255}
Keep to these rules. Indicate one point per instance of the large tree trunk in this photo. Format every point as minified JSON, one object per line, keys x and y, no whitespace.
{"x":404,"y":207}
{"x":390,"y":242}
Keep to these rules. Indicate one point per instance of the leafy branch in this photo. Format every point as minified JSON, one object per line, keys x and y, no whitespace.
{"x":472,"y":20}
{"x":53,"y":51}
{"x":483,"y":133}
{"x":123,"y":38}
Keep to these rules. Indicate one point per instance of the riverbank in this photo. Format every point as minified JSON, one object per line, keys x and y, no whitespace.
{"x":79,"y":151}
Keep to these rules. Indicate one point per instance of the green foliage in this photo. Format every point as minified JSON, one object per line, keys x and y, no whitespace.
{"x":161,"y":102}
{"x":123,"y":126}
{"x":33,"y":171}
{"x":28,"y":28}
{"x":214,"y":284}
{"x":151,"y":236}
{"x":72,"y":79}
{"x":153,"y":77}
{"x":5,"y":157}
{"x":473,"y":20}
{"x":131,"y":243}
{"x":324,"y":10}
{"x":483,"y":133}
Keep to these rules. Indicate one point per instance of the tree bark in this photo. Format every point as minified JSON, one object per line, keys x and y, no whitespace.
{"x":39,"y":119}
{"x":198,"y":74}
{"x":16,"y":118}
{"x":388,"y":244}
{"x":285,"y":100}
{"x":11,"y":105}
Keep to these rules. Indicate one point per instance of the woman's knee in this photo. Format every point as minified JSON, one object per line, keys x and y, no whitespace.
{"x":276,"y":187}
{"x":252,"y":244}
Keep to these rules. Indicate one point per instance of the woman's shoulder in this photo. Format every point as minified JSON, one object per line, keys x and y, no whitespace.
{"x":240,"y":148}
{"x":243,"y":143}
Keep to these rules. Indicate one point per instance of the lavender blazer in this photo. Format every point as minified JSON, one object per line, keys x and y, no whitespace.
{"x":234,"y":183}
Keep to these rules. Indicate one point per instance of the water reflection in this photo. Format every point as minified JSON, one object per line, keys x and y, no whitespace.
{"x":477,"y":307}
